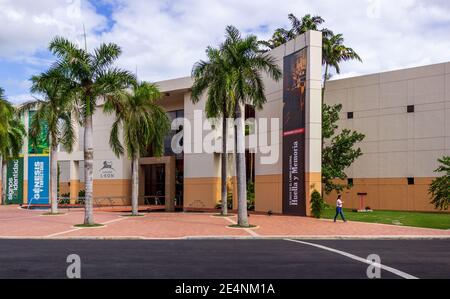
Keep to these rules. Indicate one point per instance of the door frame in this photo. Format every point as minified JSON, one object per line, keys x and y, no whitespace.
{"x":169,"y":164}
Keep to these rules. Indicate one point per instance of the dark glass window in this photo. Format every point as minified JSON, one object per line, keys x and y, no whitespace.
{"x":350,"y":182}
{"x":168,"y":140}
{"x":410,"y":109}
{"x":411,"y":181}
{"x":249,"y":111}
{"x":350,"y":115}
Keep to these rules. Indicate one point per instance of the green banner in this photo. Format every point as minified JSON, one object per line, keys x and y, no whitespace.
{"x":42,"y":145}
{"x":14,"y":182}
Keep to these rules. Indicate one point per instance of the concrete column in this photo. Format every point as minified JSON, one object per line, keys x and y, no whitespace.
{"x":141,"y":185}
{"x":74,"y":181}
{"x":170,"y":184}
{"x":313,"y":151}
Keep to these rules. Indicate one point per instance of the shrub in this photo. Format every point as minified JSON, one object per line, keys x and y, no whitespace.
{"x":229,"y":201}
{"x":250,"y":196}
{"x":440,"y":187}
{"x":317,"y":204}
{"x":64,"y":200}
{"x":81,"y":195}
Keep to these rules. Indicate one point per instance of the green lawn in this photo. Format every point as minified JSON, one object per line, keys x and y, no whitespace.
{"x":417,"y":219}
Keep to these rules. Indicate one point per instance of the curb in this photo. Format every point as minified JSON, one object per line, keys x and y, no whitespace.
{"x":193,"y":238}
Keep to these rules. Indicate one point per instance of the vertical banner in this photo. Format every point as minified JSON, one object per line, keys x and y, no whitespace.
{"x":14,"y":181}
{"x":294,"y":98}
{"x":38,"y":180}
{"x":41,"y":146}
{"x":38,"y":165}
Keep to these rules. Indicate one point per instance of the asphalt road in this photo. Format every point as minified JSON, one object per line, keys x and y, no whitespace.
{"x":222,"y":259}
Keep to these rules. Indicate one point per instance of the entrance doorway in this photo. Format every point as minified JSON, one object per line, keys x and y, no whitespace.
{"x":155,"y":181}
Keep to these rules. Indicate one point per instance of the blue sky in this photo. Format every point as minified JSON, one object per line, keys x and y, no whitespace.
{"x":164,"y":38}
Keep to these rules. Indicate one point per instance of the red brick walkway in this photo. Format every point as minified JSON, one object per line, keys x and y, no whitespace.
{"x":19,"y":223}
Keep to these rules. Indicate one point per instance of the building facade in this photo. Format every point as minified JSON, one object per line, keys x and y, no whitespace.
{"x":283,"y":181}
{"x":404,"y":114}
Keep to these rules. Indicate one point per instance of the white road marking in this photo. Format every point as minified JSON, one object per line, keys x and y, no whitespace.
{"x":250,"y":231}
{"x":114,"y":220}
{"x":357,"y":258}
{"x":80,"y":228}
{"x":63,"y":232}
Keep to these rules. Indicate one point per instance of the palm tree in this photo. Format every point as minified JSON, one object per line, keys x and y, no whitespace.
{"x":54,"y":110}
{"x":245,"y":65}
{"x":298,"y":27}
{"x":6,"y":111}
{"x":211,"y":75}
{"x":306,"y":23}
{"x":333,"y":49}
{"x":143,"y":122}
{"x":334,"y":52}
{"x":12,"y":133}
{"x":91,"y":76}
{"x":279,"y":37}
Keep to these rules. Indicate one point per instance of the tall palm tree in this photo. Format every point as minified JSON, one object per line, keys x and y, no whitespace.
{"x":333,"y":49}
{"x":143,"y":123}
{"x":6,"y":111}
{"x":12,"y":133}
{"x":92,"y":76}
{"x":54,"y":110}
{"x":334,"y":52}
{"x":307,"y":22}
{"x":211,"y":75}
{"x":279,"y":37}
{"x":245,"y":65}
{"x":298,"y":27}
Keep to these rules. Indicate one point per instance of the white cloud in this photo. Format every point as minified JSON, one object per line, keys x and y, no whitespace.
{"x":163,"y":39}
{"x":30,"y":25}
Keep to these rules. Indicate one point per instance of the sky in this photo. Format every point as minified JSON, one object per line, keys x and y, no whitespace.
{"x":162,"y":39}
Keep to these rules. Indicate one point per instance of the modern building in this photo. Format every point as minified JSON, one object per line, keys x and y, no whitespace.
{"x":404,"y":114}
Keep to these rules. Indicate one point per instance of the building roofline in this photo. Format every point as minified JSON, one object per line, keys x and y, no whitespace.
{"x":445,"y":65}
{"x":176,"y":84}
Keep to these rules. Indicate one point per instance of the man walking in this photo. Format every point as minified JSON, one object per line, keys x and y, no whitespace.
{"x":339,"y":204}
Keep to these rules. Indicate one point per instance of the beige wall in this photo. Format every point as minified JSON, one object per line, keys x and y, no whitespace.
{"x":388,"y":194}
{"x":397,"y":144}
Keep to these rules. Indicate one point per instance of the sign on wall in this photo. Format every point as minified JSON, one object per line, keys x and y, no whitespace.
{"x":38,"y":180}
{"x":107,"y":170}
{"x":14,"y":181}
{"x":294,"y":98}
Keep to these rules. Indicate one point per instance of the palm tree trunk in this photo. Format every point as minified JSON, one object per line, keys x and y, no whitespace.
{"x":325,"y":82}
{"x":224,"y":166}
{"x":88,"y":171}
{"x":54,"y":180}
{"x":2,"y":182}
{"x":240,"y":169}
{"x":135,"y":186}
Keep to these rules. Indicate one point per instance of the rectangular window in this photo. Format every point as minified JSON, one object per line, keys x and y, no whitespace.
{"x":350,"y":115}
{"x":410,"y":109}
{"x":411,"y":181}
{"x":350,"y":182}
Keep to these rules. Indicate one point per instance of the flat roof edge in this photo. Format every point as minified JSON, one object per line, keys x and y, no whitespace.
{"x":390,"y":72}
{"x":176,"y":84}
